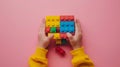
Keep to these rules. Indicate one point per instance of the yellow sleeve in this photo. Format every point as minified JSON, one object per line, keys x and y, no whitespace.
{"x":38,"y":59}
{"x":80,"y":59}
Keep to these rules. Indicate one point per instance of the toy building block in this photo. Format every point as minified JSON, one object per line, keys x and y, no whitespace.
{"x":50,"y":24}
{"x":67,"y":26}
{"x":58,"y":29}
{"x":67,"y":18}
{"x":47,"y":24}
{"x":56,"y":36}
{"x":64,"y":41}
{"x":63,"y":35}
{"x":53,"y":29}
{"x":58,"y":41}
{"x":52,"y":18}
{"x":47,"y":29}
{"x":60,"y":51}
{"x":57,"y":24}
{"x":52,"y":21}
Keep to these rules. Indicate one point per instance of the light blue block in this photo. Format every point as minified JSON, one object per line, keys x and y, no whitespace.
{"x":67,"y":26}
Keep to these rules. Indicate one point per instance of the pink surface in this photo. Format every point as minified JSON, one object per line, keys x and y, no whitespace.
{"x":20,"y":19}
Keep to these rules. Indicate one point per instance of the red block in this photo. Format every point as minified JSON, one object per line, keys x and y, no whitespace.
{"x":71,"y":18}
{"x":63,"y":35}
{"x":60,"y":51}
{"x":67,"y":18}
{"x":47,"y":29}
{"x":62,"y":18}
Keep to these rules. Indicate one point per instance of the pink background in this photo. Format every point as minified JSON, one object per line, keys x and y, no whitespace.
{"x":20,"y":20}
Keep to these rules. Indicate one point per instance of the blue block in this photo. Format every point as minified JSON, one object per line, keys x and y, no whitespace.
{"x":67,"y":26}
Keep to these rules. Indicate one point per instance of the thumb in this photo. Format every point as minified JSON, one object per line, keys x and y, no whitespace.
{"x":50,"y":37}
{"x":70,"y":37}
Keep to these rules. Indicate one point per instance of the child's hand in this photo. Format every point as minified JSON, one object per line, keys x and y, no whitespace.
{"x":43,"y":40}
{"x":76,"y":39}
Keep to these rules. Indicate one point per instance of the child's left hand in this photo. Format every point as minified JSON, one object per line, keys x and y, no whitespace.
{"x":43,"y":40}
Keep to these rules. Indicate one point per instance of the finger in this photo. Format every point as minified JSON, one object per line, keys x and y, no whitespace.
{"x":43,"y":24}
{"x":70,"y":37}
{"x":42,"y":27}
{"x":50,"y":37}
{"x":78,"y":28}
{"x":78,"y":25}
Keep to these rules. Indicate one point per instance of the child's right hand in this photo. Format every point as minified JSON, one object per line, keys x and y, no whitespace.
{"x":76,"y":40}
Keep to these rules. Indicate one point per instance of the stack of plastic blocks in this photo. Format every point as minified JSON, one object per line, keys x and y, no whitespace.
{"x":59,"y":26}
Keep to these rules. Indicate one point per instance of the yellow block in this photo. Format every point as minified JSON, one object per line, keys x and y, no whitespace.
{"x":52,"y":18}
{"x":50,"y":24}
{"x":58,"y":41}
{"x":57,"y":24}
{"x":56,"y":35}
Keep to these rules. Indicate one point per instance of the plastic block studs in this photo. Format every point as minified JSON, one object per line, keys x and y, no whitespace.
{"x":52,"y":18}
{"x":53,"y":29}
{"x":67,"y":26}
{"x":67,"y":18}
{"x":57,"y":36}
{"x":63,"y":35}
{"x":57,"y":24}
{"x":53,"y":21}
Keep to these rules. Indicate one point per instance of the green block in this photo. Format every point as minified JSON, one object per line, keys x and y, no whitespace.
{"x":64,"y":41}
{"x":53,"y":29}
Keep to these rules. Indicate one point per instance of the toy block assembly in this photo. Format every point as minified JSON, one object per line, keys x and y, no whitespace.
{"x":59,"y":26}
